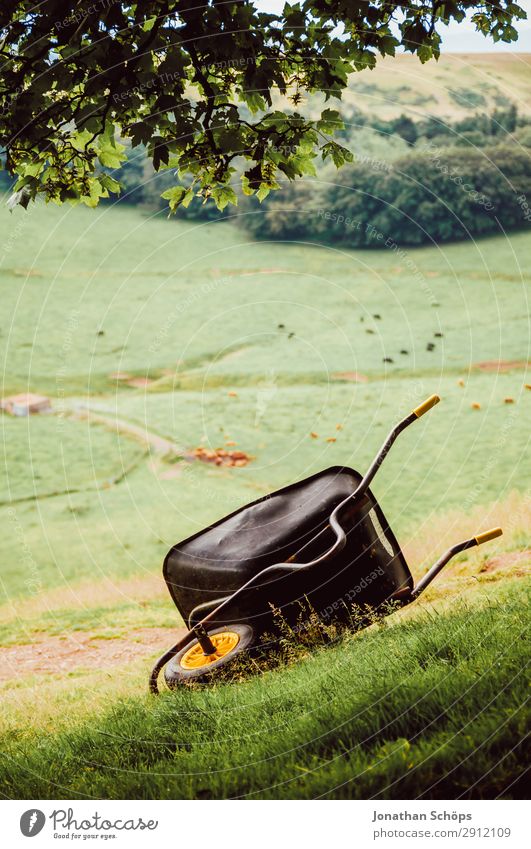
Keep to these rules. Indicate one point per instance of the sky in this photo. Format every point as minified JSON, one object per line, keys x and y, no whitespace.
{"x":461,"y":38}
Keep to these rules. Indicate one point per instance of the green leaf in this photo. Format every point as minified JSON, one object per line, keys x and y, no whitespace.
{"x":187,"y":199}
{"x":111,"y":155}
{"x":223,"y":195}
{"x":254,"y":101}
{"x":246,"y":188}
{"x":148,"y":25}
{"x":330,"y":121}
{"x":174,"y":196}
{"x":425,"y":52}
{"x":96,"y":191}
{"x":337,"y":152}
{"x":110,"y":183}
{"x":139,"y":133}
{"x":79,"y":141}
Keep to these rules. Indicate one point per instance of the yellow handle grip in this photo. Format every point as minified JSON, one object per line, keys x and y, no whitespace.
{"x":488,"y":535}
{"x":426,"y":405}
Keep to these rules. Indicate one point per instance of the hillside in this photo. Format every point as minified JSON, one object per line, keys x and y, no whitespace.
{"x":454,"y":87}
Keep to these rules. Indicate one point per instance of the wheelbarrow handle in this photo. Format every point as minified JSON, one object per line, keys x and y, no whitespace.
{"x":426,"y":406}
{"x":365,"y":481}
{"x":163,"y":660}
{"x":391,"y":437}
{"x":447,"y":556}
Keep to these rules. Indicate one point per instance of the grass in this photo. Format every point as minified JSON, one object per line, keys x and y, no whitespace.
{"x":106,"y":621}
{"x":45,"y":456}
{"x":442,"y":459}
{"x":402,"y":85}
{"x":412,"y":709}
{"x":89,"y":510}
{"x":202,"y":305}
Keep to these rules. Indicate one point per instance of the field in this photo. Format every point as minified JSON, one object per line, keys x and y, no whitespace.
{"x":154,"y":338}
{"x":454,"y":87}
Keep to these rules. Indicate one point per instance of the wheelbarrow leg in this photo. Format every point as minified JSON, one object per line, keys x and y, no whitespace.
{"x":204,"y":640}
{"x":447,"y":556}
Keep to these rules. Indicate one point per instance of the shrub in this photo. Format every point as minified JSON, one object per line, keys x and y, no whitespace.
{"x":291,"y":213}
{"x":436,"y":195}
{"x":468,"y":98}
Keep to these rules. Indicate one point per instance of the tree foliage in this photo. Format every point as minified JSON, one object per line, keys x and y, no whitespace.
{"x":198,"y":84}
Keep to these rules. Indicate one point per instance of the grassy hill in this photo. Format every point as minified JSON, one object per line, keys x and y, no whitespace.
{"x":219,"y":340}
{"x":455,"y":87}
{"x":407,"y":711}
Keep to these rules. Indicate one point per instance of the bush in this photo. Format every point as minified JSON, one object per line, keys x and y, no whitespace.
{"x":431,"y":196}
{"x":523,"y":136}
{"x":5,"y":180}
{"x":468,"y":98}
{"x":289,"y":214}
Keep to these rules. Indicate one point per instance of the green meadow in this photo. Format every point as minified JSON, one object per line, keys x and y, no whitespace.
{"x":407,"y":711}
{"x":303,"y":357}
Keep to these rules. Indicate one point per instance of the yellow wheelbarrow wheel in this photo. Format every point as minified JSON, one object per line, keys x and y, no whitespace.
{"x":192,"y":664}
{"x":224,"y":642}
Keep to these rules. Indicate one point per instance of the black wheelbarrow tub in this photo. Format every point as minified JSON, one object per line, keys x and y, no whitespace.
{"x":215,"y":562}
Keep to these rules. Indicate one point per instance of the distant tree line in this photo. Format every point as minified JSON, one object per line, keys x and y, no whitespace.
{"x":479,"y":129}
{"x":430,"y":196}
{"x":458,"y":180}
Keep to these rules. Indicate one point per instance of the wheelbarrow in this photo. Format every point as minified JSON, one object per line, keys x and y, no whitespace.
{"x":323,"y":543}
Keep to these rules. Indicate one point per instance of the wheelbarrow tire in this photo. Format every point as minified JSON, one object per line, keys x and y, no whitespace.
{"x":190,"y":664}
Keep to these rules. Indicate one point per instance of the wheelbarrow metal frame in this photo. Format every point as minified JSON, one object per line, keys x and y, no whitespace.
{"x":199,"y":630}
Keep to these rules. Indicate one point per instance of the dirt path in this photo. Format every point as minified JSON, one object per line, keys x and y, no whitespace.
{"x":508,"y":559}
{"x":501,"y":366}
{"x":158,"y":444}
{"x":61,"y":655}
